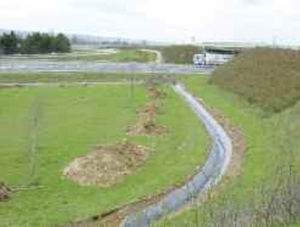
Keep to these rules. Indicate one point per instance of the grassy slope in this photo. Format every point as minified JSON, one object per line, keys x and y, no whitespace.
{"x":70,"y":122}
{"x":269,"y":143}
{"x":269,"y":78}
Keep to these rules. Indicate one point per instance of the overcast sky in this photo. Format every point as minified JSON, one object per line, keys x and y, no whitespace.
{"x":164,"y":20}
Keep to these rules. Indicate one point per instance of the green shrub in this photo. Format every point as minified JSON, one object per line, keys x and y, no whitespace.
{"x":180,"y":54}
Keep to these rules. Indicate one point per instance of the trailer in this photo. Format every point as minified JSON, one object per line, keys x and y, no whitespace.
{"x":208,"y":58}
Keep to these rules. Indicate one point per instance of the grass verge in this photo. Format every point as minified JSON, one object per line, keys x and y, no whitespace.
{"x":266,"y":192}
{"x":69,"y":122}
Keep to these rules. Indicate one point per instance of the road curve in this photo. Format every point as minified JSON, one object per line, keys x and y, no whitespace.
{"x":212,"y":172}
{"x":159,"y":58}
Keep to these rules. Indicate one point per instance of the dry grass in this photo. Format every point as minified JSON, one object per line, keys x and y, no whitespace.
{"x":268,"y":78}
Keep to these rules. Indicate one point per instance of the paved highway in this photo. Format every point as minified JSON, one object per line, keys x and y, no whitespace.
{"x":80,"y":66}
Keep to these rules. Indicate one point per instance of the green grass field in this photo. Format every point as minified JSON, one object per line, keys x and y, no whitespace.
{"x":68,"y":77}
{"x":272,"y":149}
{"x":123,"y":55}
{"x":70,"y":122}
{"x":95,"y":55}
{"x":83,"y":76}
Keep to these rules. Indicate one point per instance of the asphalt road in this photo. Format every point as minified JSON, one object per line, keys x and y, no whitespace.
{"x":80,"y":66}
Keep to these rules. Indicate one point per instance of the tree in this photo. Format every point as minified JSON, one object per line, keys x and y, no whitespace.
{"x":9,"y":43}
{"x":32,"y":44}
{"x":35,"y":43}
{"x":1,"y":46}
{"x":45,"y":44}
{"x":61,"y":44}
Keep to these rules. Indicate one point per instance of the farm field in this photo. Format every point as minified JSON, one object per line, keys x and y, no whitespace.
{"x":91,"y":55}
{"x":45,"y":128}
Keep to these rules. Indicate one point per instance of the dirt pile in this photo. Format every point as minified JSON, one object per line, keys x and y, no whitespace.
{"x":153,"y":92}
{"x":106,"y":165}
{"x":4,"y":192}
{"x":146,"y":119}
{"x":146,"y":122}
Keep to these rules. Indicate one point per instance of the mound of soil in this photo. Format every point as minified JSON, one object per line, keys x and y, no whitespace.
{"x":4,"y":192}
{"x":153,"y":92}
{"x":146,"y":123}
{"x":106,"y":165}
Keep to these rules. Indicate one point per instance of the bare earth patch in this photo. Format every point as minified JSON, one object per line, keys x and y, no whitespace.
{"x":5,"y":191}
{"x":155,"y":93}
{"x":146,"y":122}
{"x":106,"y":165}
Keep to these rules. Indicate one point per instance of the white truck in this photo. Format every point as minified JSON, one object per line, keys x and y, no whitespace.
{"x":211,"y":58}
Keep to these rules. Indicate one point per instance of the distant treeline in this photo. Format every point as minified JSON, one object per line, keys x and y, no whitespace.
{"x":34,"y":43}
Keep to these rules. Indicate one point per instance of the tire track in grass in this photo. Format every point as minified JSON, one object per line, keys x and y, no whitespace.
{"x":34,"y":139}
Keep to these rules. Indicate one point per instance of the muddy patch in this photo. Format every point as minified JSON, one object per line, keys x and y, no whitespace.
{"x":106,"y":165}
{"x":146,"y":124}
{"x":5,"y":192}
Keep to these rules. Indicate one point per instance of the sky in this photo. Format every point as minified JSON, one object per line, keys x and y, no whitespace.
{"x":180,"y":21}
